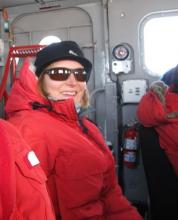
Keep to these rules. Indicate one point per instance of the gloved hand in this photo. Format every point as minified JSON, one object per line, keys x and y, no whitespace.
{"x":172,"y":115}
{"x":159,"y":88}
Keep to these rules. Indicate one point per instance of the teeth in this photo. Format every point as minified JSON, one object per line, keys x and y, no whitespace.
{"x":69,"y":93}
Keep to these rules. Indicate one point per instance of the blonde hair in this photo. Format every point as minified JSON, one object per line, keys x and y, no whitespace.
{"x":85,"y":99}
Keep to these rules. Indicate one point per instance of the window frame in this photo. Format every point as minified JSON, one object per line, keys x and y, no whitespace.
{"x":142,"y":24}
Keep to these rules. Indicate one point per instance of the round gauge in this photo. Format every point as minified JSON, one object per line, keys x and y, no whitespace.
{"x":120,"y":52}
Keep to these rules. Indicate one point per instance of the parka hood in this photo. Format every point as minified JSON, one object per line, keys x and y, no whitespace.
{"x":24,"y":90}
{"x":24,"y":95}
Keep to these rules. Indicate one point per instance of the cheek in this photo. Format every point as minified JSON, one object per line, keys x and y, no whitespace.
{"x":52,"y":85}
{"x":81,"y":92}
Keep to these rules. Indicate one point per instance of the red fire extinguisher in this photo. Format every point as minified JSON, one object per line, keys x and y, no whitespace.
{"x":130,"y":148}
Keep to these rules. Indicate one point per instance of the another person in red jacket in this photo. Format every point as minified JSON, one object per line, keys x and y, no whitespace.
{"x":79,"y":165}
{"x":159,"y":108}
{"x":23,"y":194}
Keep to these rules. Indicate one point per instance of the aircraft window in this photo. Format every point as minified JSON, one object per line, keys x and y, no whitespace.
{"x":49,"y":39}
{"x":159,"y":37}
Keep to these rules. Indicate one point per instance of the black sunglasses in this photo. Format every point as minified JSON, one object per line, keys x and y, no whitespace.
{"x":62,"y":73}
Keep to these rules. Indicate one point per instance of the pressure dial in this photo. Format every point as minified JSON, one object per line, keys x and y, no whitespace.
{"x":120,"y":52}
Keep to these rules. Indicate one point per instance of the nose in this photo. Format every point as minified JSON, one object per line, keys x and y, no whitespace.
{"x":71,"y":80}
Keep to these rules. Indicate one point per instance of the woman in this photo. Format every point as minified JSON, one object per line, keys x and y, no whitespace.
{"x":23,"y":194}
{"x":77,"y":162}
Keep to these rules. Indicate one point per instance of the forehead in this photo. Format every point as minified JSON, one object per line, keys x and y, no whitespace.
{"x":66,"y":63}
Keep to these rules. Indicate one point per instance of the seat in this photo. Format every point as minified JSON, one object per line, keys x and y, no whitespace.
{"x":161,"y":179}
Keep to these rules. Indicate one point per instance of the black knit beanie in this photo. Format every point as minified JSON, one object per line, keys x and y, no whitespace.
{"x":65,"y":50}
{"x":174,"y":80}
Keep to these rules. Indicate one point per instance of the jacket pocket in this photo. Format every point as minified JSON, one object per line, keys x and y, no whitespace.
{"x":32,"y":198}
{"x":29,"y":166}
{"x":76,"y":166}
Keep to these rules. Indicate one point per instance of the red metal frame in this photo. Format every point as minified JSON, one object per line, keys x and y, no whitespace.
{"x":16,"y":52}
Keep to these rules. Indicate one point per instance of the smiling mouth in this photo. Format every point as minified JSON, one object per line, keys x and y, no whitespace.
{"x":69,"y":94}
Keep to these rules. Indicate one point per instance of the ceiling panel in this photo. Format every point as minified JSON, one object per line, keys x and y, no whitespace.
{"x":13,"y":3}
{"x":10,"y":3}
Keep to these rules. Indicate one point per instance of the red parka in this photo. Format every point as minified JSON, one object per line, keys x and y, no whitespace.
{"x":23,"y":194}
{"x":151,"y":113}
{"x":77,"y":162}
